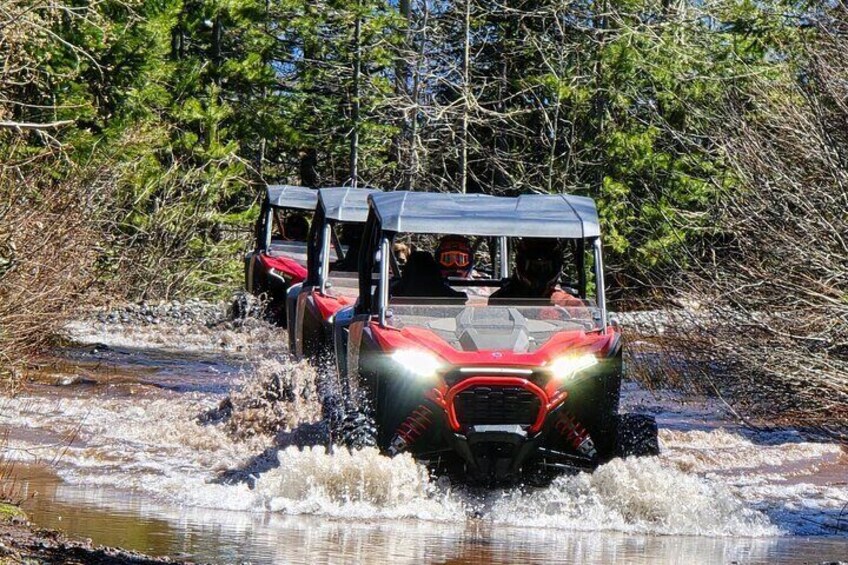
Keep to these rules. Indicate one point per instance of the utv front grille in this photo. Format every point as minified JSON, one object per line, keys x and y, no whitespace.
{"x":482,"y":405}
{"x":537,"y":377}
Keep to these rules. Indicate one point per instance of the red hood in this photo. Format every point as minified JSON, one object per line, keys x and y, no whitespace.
{"x":293,"y":270}
{"x":329,"y":305}
{"x":393,"y":338}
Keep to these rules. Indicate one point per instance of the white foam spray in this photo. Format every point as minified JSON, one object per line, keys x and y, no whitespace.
{"x":645,"y":495}
{"x":358,"y":484}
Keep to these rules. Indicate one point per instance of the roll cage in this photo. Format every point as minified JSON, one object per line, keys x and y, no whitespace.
{"x":281,"y":198}
{"x":335,"y":205}
{"x":563,"y":217}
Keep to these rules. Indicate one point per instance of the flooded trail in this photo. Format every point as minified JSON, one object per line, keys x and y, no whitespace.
{"x":108,"y":440}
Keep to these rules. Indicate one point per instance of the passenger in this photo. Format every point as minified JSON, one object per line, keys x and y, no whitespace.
{"x":421,"y":278}
{"x":455,"y":257}
{"x":538,"y":265}
{"x":296,"y":228}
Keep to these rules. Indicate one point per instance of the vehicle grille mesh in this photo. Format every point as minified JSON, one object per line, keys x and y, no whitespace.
{"x":494,"y":405}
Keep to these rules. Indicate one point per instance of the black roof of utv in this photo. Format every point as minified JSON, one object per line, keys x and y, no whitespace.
{"x":290,"y":196}
{"x":345,"y":204}
{"x":528,"y":215}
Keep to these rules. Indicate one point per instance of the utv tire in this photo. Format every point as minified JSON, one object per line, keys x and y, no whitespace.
{"x":290,"y":337}
{"x":329,"y":393}
{"x":275,"y":312}
{"x":357,"y":431}
{"x":240,"y":307}
{"x":637,"y":436}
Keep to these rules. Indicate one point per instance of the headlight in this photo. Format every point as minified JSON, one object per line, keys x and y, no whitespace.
{"x":418,"y":362}
{"x":566,"y":367}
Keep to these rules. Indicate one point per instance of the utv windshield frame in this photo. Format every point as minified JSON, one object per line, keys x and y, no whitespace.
{"x":563,"y":217}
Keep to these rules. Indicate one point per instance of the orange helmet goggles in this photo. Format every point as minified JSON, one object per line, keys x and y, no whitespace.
{"x":449,"y":259}
{"x":454,"y":256}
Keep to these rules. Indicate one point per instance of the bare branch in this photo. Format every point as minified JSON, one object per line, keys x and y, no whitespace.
{"x":31,"y":125}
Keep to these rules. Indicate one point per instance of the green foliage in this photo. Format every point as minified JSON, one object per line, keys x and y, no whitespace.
{"x":195,"y":103}
{"x":11,"y":512}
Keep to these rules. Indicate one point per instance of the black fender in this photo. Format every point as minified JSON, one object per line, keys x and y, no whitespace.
{"x":341,"y":329}
{"x":593,"y":400}
{"x":311,"y":335}
{"x":292,"y":317}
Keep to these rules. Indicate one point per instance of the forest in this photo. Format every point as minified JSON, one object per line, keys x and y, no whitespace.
{"x":137,"y":136}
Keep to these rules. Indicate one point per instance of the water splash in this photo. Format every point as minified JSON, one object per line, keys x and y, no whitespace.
{"x":709,"y":481}
{"x":358,"y":484}
{"x":644,"y":495}
{"x":276,"y":396}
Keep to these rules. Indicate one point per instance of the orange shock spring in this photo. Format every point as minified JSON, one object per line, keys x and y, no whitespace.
{"x":411,"y":429}
{"x":576,"y":435}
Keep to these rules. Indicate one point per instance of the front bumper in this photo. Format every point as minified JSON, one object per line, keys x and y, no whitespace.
{"x":498,"y":426}
{"x":504,"y":453}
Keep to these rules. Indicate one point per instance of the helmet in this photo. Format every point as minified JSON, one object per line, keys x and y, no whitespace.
{"x":455,"y":256}
{"x":538,"y":263}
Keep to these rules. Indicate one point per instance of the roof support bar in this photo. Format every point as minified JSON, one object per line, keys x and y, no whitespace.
{"x":384,"y":279}
{"x":503,"y":252}
{"x":324,"y":273}
{"x":599,"y":282}
{"x":269,"y":227}
{"x":580,"y":259}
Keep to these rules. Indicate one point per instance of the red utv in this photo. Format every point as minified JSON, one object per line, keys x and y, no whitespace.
{"x":278,"y":259}
{"x":332,"y":282}
{"x":469,"y":374}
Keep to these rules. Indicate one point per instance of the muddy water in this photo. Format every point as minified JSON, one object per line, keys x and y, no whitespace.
{"x":109,"y":448}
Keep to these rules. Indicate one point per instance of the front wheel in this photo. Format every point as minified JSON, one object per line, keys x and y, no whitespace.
{"x":636,"y":436}
{"x":356,"y":431}
{"x":348,"y":415}
{"x":275,"y":312}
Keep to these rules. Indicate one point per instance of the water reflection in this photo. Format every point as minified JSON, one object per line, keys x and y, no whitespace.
{"x":117,"y":518}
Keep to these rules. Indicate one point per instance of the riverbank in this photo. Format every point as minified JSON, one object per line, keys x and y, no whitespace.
{"x":21,"y":542}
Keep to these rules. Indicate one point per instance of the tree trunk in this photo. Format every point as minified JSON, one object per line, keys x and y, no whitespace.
{"x":466,"y":102}
{"x":355,"y":103}
{"x":405,"y":94}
